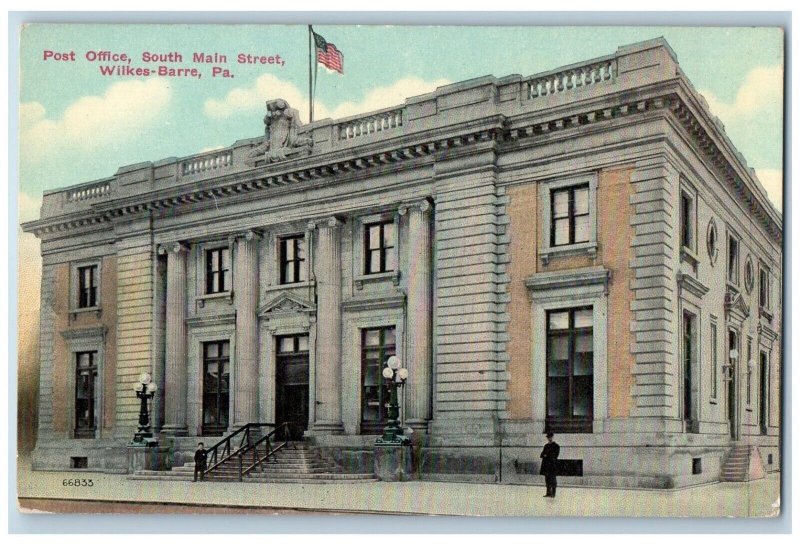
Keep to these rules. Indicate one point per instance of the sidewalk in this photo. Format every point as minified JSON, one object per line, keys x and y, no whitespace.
{"x":754,"y":499}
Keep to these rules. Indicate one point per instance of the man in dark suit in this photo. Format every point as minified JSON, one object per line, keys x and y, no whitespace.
{"x":549,"y":467}
{"x":199,"y":461}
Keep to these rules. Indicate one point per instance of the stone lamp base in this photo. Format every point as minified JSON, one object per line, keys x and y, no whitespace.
{"x":393,"y":462}
{"x":148,"y":455}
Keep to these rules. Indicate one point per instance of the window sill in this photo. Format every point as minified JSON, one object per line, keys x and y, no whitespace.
{"x":713,"y":401}
{"x":764,"y":313}
{"x":688,"y":255}
{"x":584,"y":248}
{"x":73,"y":313}
{"x":225,"y":295}
{"x":360,"y":279}
{"x":290,"y":286}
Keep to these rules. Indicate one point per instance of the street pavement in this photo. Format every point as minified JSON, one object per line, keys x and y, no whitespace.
{"x":752,"y":499}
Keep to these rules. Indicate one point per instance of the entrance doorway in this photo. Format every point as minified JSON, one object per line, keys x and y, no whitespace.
{"x":291,"y":383}
{"x":733,"y":356}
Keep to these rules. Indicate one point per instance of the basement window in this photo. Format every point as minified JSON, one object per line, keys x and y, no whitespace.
{"x":78,"y":462}
{"x":697,"y":466}
{"x":570,"y":468}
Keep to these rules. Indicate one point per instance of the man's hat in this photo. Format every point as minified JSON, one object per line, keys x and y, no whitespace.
{"x":549,"y":434}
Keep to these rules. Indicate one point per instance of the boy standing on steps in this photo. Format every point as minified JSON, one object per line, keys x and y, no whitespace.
{"x":199,"y":461}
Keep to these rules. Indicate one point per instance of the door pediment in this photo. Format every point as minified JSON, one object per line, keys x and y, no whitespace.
{"x":285,"y":303}
{"x":735,"y":306}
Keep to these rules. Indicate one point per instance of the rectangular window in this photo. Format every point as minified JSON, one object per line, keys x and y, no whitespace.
{"x":749,"y":364}
{"x":763,"y":288}
{"x":763,"y":392}
{"x":687,"y":221}
{"x":688,"y":364}
{"x":570,"y":370}
{"x":732,"y":383}
{"x":292,"y":252}
{"x":87,"y":286}
{"x":570,"y":216}
{"x":218,"y":270}
{"x":85,"y":394}
{"x":733,"y":260}
{"x":79,"y":462}
{"x":379,"y":243}
{"x":714,"y":364}
{"x":377,"y":344}
{"x":216,"y":387}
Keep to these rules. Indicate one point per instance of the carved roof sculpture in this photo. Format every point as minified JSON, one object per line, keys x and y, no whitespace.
{"x":281,"y":140}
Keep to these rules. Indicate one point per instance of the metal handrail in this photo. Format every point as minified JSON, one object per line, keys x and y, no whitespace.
{"x":215,"y":459}
{"x":270,"y":452}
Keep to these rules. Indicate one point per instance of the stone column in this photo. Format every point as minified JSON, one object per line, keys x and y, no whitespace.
{"x":245,"y":292}
{"x":159,"y":339}
{"x":175,"y":350}
{"x":418,"y":359}
{"x":327,"y":376}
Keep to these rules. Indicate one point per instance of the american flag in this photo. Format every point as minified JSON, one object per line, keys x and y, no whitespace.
{"x":328,"y":55}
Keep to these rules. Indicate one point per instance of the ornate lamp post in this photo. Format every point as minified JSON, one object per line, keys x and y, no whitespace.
{"x":145,"y":390}
{"x":395,"y":377}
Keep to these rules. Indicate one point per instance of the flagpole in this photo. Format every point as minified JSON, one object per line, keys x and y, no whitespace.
{"x":310,"y":64}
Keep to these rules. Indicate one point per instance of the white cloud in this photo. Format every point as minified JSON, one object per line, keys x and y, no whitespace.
{"x":211,"y":148}
{"x":246,"y":100}
{"x":772,"y":180}
{"x":761,"y":90}
{"x":383,"y":97}
{"x":28,"y":207}
{"x":251,"y":99}
{"x":92,"y":121}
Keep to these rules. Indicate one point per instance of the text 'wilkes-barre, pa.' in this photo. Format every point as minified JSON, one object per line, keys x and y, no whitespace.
{"x":171,"y":64}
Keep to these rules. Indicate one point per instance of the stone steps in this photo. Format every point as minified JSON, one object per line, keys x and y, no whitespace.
{"x":742,"y":464}
{"x":293,"y":465}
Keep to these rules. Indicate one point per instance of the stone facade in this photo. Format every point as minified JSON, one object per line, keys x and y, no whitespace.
{"x":461,"y":184}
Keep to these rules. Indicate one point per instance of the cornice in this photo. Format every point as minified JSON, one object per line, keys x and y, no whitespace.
{"x":692,"y":285}
{"x":571,"y":278}
{"x":709,"y":136}
{"x":672,"y":97}
{"x":293,"y":172}
{"x":84,"y":333}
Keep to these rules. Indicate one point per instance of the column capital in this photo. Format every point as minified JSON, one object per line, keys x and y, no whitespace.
{"x":423,"y":205}
{"x":248,"y":235}
{"x":174,"y":247}
{"x":331,"y":222}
